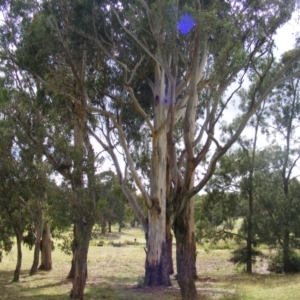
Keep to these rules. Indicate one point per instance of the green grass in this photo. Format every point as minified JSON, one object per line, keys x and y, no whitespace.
{"x":116,"y":273}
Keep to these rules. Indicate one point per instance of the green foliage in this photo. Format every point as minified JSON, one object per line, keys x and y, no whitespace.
{"x":6,"y":234}
{"x":66,"y":245}
{"x":111,"y":202}
{"x":275,"y":263}
{"x":215,"y":215}
{"x":239,"y":255}
{"x":29,"y":239}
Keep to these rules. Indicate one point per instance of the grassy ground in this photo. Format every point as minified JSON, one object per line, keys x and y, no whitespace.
{"x":117,"y":273}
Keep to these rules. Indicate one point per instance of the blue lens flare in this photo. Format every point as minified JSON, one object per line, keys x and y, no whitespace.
{"x":186,"y":23}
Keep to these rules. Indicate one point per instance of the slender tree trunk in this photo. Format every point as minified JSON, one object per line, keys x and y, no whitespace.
{"x":83,"y":233}
{"x":19,"y":256}
{"x":38,"y":230}
{"x":184,"y":250}
{"x":249,"y":234}
{"x":46,"y":249}
{"x":169,"y":240}
{"x":103,"y":226}
{"x":36,"y":253}
{"x":287,"y":265}
{"x":74,"y":252}
{"x":109,"y":226}
{"x":191,"y":237}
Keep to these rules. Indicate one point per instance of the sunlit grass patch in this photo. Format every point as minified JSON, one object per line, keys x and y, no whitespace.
{"x":117,"y":273}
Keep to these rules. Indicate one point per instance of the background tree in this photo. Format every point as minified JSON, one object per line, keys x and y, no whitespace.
{"x":45,"y":67}
{"x":111,"y":202}
{"x":14,"y":218}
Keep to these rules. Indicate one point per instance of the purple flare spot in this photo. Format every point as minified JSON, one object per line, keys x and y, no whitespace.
{"x":186,"y":23}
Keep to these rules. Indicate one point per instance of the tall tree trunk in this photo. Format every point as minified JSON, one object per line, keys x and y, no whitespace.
{"x":83,"y":233}
{"x":46,"y":249}
{"x":157,"y":262}
{"x":19,"y":256}
{"x":184,"y":257}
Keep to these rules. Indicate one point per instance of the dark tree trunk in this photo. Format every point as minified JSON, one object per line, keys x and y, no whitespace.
{"x":46,"y":249}
{"x":249,"y":255}
{"x":185,"y":249}
{"x":36,"y":253}
{"x":249,"y":233}
{"x":191,"y":237}
{"x":109,"y":227}
{"x":157,"y":273}
{"x":169,"y":240}
{"x":103,"y":226}
{"x":288,"y":267}
{"x":19,"y":254}
{"x":83,"y":234}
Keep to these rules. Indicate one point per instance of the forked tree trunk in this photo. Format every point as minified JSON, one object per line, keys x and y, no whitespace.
{"x":19,"y":256}
{"x":184,"y":250}
{"x":46,"y":249}
{"x":83,"y":233}
{"x":36,"y":253}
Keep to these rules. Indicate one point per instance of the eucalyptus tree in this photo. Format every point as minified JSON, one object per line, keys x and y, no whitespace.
{"x":196,"y":51}
{"x":45,"y":66}
{"x":88,"y":64}
{"x":110,"y":201}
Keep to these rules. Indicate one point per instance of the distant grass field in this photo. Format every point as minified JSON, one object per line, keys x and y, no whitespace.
{"x":117,"y":273}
